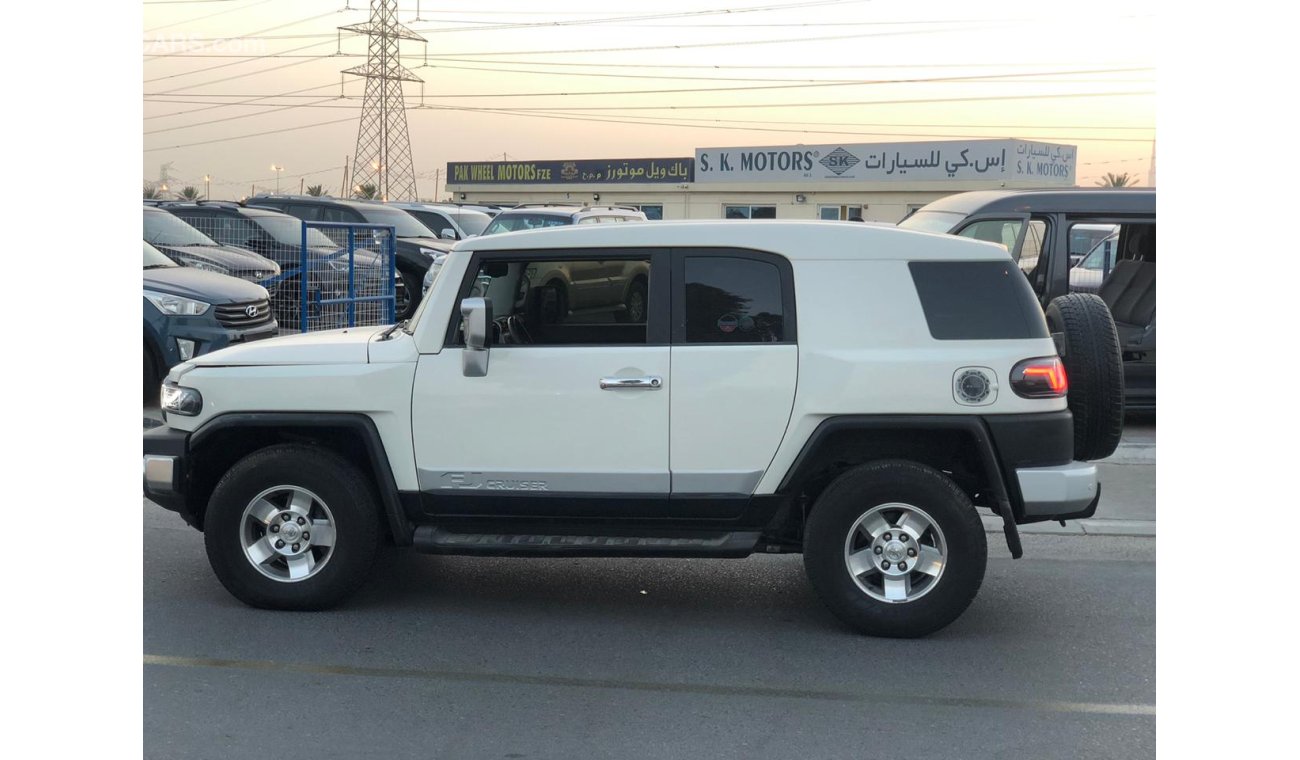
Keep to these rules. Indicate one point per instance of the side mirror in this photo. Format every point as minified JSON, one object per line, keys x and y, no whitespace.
{"x":476,"y":325}
{"x":447,"y":234}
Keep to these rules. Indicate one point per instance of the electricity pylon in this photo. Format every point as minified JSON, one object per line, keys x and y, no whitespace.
{"x":383,"y":155}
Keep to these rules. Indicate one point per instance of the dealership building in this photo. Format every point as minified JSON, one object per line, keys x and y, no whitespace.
{"x":874,"y":181}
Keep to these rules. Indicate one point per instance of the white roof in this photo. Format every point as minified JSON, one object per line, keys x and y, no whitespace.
{"x":796,"y":240}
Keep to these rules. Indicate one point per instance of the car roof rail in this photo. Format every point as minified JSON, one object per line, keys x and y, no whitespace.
{"x":616,"y":208}
{"x":548,"y":205}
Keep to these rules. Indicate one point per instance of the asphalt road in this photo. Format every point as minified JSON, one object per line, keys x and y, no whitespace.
{"x":450,"y":657}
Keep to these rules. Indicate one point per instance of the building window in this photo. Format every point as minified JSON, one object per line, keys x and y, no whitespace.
{"x":839,"y":213}
{"x":651,"y":210}
{"x":749,"y":212}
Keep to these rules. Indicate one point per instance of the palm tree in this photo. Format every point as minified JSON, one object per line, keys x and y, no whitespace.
{"x":366,"y":192}
{"x":152,"y":192}
{"x":189,"y":193}
{"x":1117,"y":180}
{"x":317,"y":190}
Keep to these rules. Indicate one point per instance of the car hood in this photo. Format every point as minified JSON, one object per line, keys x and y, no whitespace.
{"x":345,"y":346}
{"x":210,"y":287}
{"x":236,"y":259}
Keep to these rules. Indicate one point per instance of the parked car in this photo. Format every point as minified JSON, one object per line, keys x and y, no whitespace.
{"x":533,"y":216}
{"x":278,"y":236}
{"x":417,"y":245}
{"x":1093,"y":268}
{"x":185,"y":245}
{"x":189,"y":312}
{"x":485,"y":431}
{"x":1039,"y":223}
{"x":449,"y":221}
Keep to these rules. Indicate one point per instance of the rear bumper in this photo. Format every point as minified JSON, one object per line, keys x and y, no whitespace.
{"x":1067,"y":491}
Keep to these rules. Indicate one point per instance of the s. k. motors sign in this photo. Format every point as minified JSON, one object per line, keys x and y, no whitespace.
{"x":891,"y":162}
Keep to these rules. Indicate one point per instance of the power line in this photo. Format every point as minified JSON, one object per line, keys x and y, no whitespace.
{"x":254,"y":134}
{"x":244,"y":59}
{"x":200,"y":18}
{"x":249,"y":101}
{"x":700,"y":118}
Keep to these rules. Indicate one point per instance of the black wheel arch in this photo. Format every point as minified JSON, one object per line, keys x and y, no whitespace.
{"x":227,"y":438}
{"x":960,"y":446}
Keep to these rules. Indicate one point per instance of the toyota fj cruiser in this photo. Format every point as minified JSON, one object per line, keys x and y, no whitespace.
{"x":852,"y":392}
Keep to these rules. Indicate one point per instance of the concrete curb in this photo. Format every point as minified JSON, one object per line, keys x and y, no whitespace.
{"x":1093,"y":527}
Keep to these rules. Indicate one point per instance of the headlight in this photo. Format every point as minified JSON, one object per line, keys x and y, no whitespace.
{"x":431,"y":252}
{"x":170,"y":304}
{"x":434,"y":269}
{"x":204,"y":264}
{"x":183,"y":401}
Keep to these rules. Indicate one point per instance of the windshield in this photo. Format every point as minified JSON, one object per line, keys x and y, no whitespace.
{"x":514,"y":222}
{"x":932,"y":221}
{"x":473,"y":222}
{"x":405,"y":224}
{"x":161,"y":228}
{"x":288,"y":230}
{"x":154,"y":258}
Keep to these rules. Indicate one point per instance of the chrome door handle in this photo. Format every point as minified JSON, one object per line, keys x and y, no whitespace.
{"x":647,"y":383}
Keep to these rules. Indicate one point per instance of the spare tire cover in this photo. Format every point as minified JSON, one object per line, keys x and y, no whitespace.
{"x":1095,"y":370}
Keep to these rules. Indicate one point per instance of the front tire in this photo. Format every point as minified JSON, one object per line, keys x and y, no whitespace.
{"x":292,"y":527}
{"x":895,"y":549}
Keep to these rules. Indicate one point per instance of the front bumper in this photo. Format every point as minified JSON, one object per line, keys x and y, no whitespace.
{"x":1061,"y":492}
{"x":165,"y":473}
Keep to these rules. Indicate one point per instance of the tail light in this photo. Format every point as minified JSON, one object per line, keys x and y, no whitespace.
{"x":1040,"y":378}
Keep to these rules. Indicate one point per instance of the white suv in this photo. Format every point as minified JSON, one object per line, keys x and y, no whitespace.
{"x":852,"y":392}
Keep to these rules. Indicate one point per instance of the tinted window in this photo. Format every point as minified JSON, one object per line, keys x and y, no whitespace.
{"x":161,"y":228}
{"x":977,"y":300}
{"x":931,"y":221}
{"x":473,"y":222}
{"x":566,"y":303}
{"x":515,"y":222}
{"x":733,"y":300}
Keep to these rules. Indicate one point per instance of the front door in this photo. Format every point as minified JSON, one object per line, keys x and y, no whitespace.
{"x":571,"y":418}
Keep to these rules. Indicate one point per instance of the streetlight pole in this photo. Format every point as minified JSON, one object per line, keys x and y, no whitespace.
{"x":277,"y":170}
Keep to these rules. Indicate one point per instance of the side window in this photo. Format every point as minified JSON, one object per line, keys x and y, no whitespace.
{"x":305,"y":211}
{"x":733,"y":300}
{"x":1001,"y":231}
{"x":1111,"y":245}
{"x":577,"y":302}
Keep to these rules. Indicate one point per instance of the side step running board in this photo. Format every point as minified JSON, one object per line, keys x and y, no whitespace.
{"x":434,"y":540}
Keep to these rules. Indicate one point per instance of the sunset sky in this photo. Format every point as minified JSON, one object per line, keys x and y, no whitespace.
{"x":584,"y":79}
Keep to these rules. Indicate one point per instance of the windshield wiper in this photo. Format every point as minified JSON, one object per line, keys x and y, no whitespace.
{"x":386,"y":334}
{"x":159,"y":266}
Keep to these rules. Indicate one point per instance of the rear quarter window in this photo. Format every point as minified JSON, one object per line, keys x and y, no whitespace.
{"x":977,"y":300}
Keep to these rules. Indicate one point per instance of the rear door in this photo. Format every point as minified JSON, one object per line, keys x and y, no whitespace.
{"x":735,"y":361}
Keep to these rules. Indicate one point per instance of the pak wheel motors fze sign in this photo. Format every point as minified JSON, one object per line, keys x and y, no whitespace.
{"x":949,"y":160}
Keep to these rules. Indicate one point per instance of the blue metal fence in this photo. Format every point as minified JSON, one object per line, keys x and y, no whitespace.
{"x":351,"y":283}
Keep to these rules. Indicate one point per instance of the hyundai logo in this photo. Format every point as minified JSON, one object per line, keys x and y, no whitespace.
{"x":251,"y":310}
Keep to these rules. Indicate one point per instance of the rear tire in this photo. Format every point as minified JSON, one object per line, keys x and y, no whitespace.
{"x":268,"y":490}
{"x":1095,"y":370}
{"x":899,"y":507}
